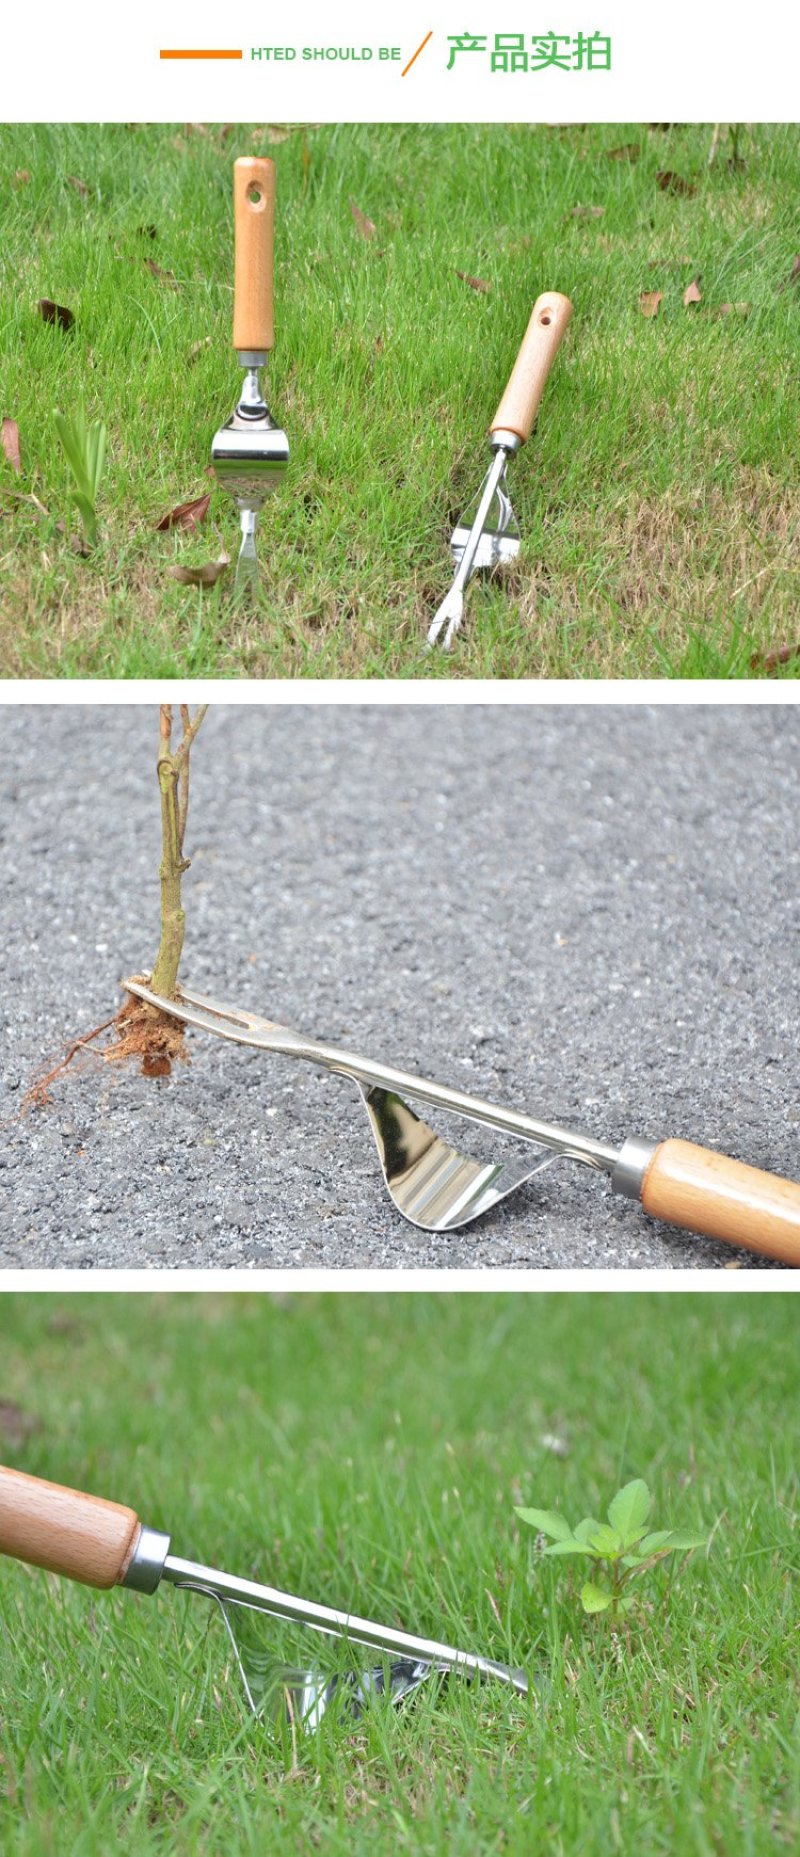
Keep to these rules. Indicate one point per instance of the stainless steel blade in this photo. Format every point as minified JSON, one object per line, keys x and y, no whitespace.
{"x":335,"y":1623}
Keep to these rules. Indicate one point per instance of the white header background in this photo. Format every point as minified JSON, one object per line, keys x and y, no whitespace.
{"x":678,"y":63}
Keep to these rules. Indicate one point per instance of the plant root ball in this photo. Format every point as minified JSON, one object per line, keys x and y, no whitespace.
{"x":144,"y":1033}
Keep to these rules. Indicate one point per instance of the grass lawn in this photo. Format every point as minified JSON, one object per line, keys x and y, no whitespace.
{"x":658,"y":501}
{"x":368,"y":1451}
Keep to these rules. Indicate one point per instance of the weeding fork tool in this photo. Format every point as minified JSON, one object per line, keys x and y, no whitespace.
{"x":103,"y":1544}
{"x":439,"y":1189}
{"x":250,"y":454}
{"x":490,"y":536}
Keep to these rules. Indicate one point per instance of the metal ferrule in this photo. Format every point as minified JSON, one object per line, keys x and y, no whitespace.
{"x":252,"y":357}
{"x":505,"y":441}
{"x":146,"y":1565}
{"x":631,"y":1166}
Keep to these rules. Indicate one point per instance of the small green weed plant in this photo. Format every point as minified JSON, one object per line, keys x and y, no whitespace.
{"x":623,"y":1548}
{"x":84,"y":447}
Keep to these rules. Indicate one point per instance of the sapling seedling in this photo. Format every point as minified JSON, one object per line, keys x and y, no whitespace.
{"x":139,"y":1030}
{"x":622,"y":1548}
{"x":84,"y":448}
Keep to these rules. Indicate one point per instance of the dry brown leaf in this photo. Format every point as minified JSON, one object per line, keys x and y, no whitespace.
{"x":164,"y":277}
{"x":80,"y":186}
{"x":10,"y":442}
{"x":733,"y":309}
{"x":186,"y":515}
{"x":277,"y":132}
{"x":674,"y":183}
{"x":21,"y":177}
{"x":197,"y":349}
{"x":692,"y":293}
{"x":17,"y":1425}
{"x":475,"y":283}
{"x":769,"y":660}
{"x":650,"y":302}
{"x":364,"y":226}
{"x":56,"y":313}
{"x":586,"y":212}
{"x":205,"y":576}
{"x":627,"y":151}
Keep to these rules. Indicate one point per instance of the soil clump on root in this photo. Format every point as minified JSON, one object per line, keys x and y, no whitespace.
{"x":137,"y":1032}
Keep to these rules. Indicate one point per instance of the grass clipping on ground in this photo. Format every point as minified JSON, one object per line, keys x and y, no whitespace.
{"x":138,"y":1030}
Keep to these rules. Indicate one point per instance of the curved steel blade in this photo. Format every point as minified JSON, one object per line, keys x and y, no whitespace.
{"x":434,"y":1186}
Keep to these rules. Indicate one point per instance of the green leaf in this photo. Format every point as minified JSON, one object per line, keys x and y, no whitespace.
{"x":627,"y":1602}
{"x":595,"y":1598}
{"x":681,"y":1542}
{"x":571,"y":1547}
{"x":629,"y":1511}
{"x":606,"y":1541}
{"x":650,"y":1544}
{"x":548,"y":1522}
{"x":87,"y":516}
{"x":586,"y":1528}
{"x":100,"y":456}
{"x":71,"y":445}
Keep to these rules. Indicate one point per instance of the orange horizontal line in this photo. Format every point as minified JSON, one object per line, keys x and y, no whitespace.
{"x":200,"y":54}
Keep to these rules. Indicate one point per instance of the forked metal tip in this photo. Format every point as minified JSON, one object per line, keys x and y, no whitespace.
{"x":448,"y":620}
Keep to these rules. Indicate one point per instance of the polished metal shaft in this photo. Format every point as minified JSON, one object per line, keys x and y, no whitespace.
{"x":248,"y":1029}
{"x":336,"y":1624}
{"x":451,"y":611}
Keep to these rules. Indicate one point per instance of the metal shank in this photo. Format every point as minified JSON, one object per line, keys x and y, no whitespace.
{"x":248,"y":1029}
{"x":336,"y":1624}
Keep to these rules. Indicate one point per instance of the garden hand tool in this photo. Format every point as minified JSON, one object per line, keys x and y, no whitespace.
{"x":103,"y":1544}
{"x":250,"y":453}
{"x":439,"y":1189}
{"x":490,"y":536}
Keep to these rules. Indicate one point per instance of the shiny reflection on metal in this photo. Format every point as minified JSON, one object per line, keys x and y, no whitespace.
{"x":334,"y":1624}
{"x":434,"y":1186}
{"x":146,"y":1565}
{"x":632,"y":1163}
{"x":250,"y":455}
{"x":484,"y":539}
{"x":303,"y":1697}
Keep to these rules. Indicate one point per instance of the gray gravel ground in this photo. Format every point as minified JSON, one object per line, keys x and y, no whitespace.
{"x":589,"y":911}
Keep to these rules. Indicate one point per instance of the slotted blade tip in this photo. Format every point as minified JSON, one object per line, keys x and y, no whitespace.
{"x":446,"y":620}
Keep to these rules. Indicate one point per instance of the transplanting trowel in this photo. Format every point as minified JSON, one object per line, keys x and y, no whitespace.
{"x":250,"y":453}
{"x":488,"y":534}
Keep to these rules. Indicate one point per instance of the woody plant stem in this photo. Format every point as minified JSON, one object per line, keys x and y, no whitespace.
{"x":173,"y":780}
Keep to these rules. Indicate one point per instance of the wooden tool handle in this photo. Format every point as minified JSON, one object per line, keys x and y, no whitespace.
{"x":254,"y":221}
{"x":540,"y":344}
{"x":706,"y":1193}
{"x":81,"y":1537}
